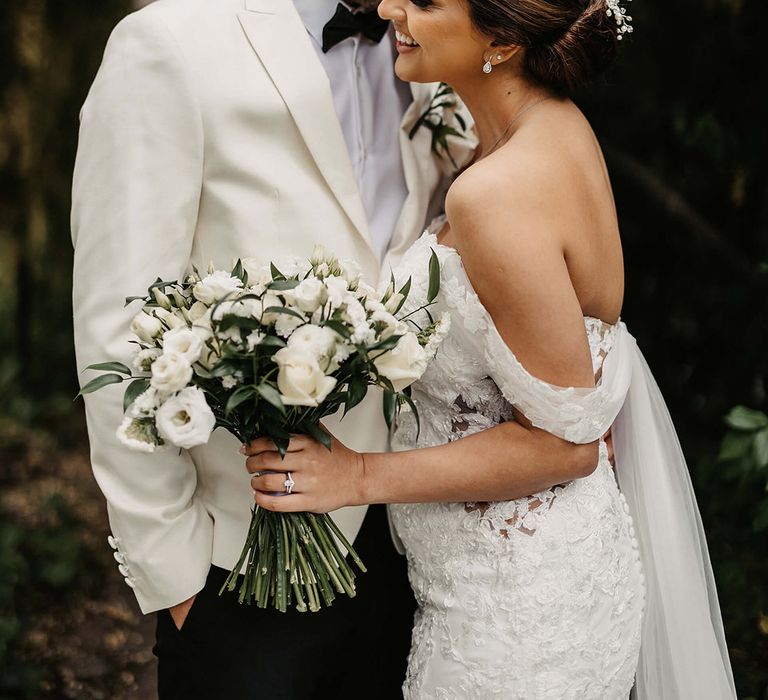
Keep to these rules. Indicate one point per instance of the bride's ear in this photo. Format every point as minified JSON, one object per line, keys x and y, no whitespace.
{"x":497,"y":55}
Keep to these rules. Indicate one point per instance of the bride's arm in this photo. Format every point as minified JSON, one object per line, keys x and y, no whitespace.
{"x":521,"y":275}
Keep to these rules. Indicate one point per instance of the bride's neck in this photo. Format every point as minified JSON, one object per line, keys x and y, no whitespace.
{"x":494,"y":101}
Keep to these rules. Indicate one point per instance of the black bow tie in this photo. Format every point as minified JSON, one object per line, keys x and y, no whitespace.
{"x":345,"y":24}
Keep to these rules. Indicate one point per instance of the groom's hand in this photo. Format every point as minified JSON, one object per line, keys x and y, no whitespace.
{"x":179,"y":612}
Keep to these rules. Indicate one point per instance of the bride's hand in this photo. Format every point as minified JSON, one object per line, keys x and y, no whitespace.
{"x":324,"y":480}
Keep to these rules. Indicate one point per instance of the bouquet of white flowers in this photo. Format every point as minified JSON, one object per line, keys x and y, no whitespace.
{"x":264,"y":352}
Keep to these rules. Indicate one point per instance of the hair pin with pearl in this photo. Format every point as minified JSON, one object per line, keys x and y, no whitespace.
{"x":623,"y":20}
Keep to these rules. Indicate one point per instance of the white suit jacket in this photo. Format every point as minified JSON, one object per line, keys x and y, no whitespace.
{"x":209,"y":134}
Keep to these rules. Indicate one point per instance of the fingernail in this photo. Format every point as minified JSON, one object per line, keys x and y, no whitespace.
{"x":243,"y":448}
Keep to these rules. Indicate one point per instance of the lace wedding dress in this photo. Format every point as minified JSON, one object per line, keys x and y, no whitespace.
{"x":543,"y":597}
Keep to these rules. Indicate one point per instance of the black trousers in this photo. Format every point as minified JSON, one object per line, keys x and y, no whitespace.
{"x":357,"y":648}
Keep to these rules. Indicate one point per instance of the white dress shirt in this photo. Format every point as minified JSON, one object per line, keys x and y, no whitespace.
{"x":370,"y":102}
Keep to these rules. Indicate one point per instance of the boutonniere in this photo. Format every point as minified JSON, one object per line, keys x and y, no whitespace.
{"x":443,"y":119}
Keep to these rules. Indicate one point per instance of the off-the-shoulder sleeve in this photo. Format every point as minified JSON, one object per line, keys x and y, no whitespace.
{"x":579,"y":415}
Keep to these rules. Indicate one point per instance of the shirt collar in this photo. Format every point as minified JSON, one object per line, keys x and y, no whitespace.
{"x":315,"y":14}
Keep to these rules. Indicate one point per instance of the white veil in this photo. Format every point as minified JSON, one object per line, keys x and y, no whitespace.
{"x":683,"y":653}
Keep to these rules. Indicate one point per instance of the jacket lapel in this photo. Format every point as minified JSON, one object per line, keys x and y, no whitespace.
{"x":279,"y":38}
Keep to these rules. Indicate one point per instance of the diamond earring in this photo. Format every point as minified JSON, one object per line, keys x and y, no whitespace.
{"x":487,"y":67}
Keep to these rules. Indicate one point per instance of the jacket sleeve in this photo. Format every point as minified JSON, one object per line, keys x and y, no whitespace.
{"x":136,"y":194}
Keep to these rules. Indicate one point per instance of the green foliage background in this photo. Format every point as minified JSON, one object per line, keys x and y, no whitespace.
{"x":682,"y":119}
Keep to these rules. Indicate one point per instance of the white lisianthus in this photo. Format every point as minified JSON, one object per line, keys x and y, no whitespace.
{"x":142,"y":361}
{"x":138,"y":434}
{"x":318,"y":341}
{"x":185,"y":420}
{"x":287,"y":324}
{"x":338,"y":290}
{"x":351,"y":272}
{"x":209,"y":357}
{"x":146,"y":327}
{"x":145,"y":404}
{"x":300,"y":379}
{"x":244,"y":308}
{"x":386,"y":324}
{"x":404,"y":364}
{"x":161,"y":298}
{"x":184,"y":342}
{"x":171,"y":372}
{"x":197,"y":311}
{"x":253,"y":339}
{"x":232,"y":380}
{"x":438,"y":334}
{"x":172,"y":319}
{"x":216,"y":286}
{"x":310,"y":295}
{"x":394,"y":302}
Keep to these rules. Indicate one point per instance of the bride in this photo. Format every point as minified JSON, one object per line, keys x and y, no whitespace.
{"x":537,"y":578}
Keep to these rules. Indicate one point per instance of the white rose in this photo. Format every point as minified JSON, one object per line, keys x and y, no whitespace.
{"x":170,"y":372}
{"x":216,"y":286}
{"x":300,"y":380}
{"x":145,"y":326}
{"x":202,"y":326}
{"x":310,"y":295}
{"x":184,"y":342}
{"x":318,"y":341}
{"x":186,"y":420}
{"x":403,"y":364}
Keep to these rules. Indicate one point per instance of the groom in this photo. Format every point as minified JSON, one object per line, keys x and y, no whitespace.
{"x":218,"y":129}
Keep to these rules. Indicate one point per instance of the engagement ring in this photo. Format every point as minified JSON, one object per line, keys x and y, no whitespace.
{"x":289,"y":484}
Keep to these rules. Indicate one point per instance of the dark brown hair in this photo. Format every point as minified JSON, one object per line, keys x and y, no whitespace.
{"x":567,"y":42}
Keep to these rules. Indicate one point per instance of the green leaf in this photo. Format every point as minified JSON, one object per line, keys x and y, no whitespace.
{"x":238,"y":397}
{"x":99,"y":383}
{"x":130,"y":300}
{"x":761,"y":448}
{"x":735,"y":446}
{"x":405,"y":290}
{"x":358,"y":388}
{"x":339,"y":328}
{"x":276,"y":274}
{"x":283,"y":285}
{"x":315,"y":431}
{"x":390,"y":408}
{"x":743,"y":418}
{"x":434,"y":278}
{"x":111,"y":367}
{"x":272,"y":341}
{"x":240,"y":273}
{"x":409,"y":401}
{"x":224,"y":368}
{"x":386,"y":344}
{"x":461,"y":120}
{"x":135,"y":389}
{"x":271,"y":396}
